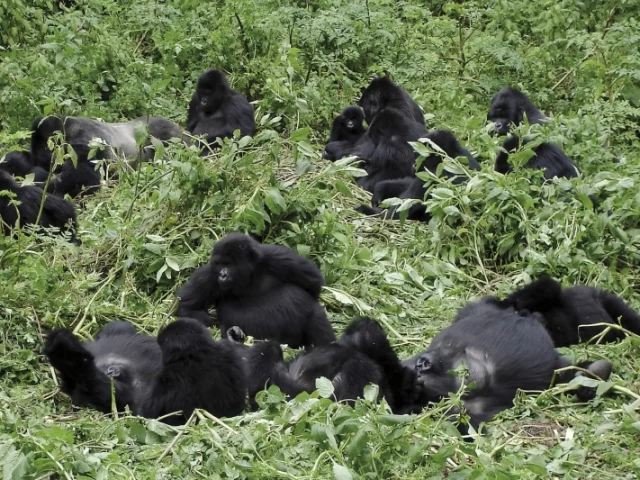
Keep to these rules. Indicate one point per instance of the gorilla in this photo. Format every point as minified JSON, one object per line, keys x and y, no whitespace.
{"x":20,"y":164}
{"x":79,"y":131}
{"x":346,"y":130}
{"x":507,"y":109}
{"x":384,"y":149}
{"x":570,"y":314}
{"x":56,"y":212}
{"x":268,"y":291}
{"x":382,"y":93}
{"x":362,"y":356}
{"x":216,"y":110}
{"x":182,"y":370}
{"x":503,"y":352}
{"x":414,"y":187}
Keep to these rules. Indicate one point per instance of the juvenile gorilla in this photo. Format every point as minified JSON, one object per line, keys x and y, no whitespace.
{"x":216,"y":110}
{"x":346,"y":130}
{"x":507,"y":109}
{"x":56,"y":212}
{"x":382,"y":93}
{"x":362,"y":356}
{"x":414,"y":187}
{"x":503,"y":351}
{"x":570,"y":313}
{"x":384,"y":149}
{"x":183,"y":370}
{"x":268,"y":291}
{"x":20,"y":164}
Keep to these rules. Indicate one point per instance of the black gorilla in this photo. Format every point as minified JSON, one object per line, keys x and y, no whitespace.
{"x":570,"y":313}
{"x":384,"y":149}
{"x":414,"y":187}
{"x":56,"y":212}
{"x":503,"y":352}
{"x":382,"y":93}
{"x":362,"y":356}
{"x":507,"y":109}
{"x":183,"y":370}
{"x":83,"y":178}
{"x":216,"y":110}
{"x":118,"y":353}
{"x":267,"y":290}
{"x":197,"y":372}
{"x":346,"y":130}
{"x":20,"y":164}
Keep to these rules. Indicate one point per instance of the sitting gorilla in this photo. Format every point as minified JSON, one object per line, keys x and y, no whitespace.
{"x":83,"y":178}
{"x":346,"y":130}
{"x":20,"y":164}
{"x":382,"y":93}
{"x":503,"y":352}
{"x":362,"y":356}
{"x":183,"y":370}
{"x":384,"y":149}
{"x":414,"y":187}
{"x":266,"y":290}
{"x":56,"y":212}
{"x":507,"y":109}
{"x":216,"y":110}
{"x":570,"y":313}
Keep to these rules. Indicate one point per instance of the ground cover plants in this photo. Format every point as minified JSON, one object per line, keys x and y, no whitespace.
{"x":300,"y":62}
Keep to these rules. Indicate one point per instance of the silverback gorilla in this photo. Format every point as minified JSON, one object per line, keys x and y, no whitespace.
{"x":267,"y":290}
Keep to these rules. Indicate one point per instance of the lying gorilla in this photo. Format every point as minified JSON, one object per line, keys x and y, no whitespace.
{"x":56,"y":212}
{"x":414,"y":187}
{"x":346,"y":130}
{"x":503,"y":351}
{"x":570,"y":314}
{"x":183,"y":370}
{"x":362,"y":356}
{"x":507,"y":109}
{"x":267,"y":290}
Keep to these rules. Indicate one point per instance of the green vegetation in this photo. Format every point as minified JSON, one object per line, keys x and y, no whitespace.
{"x":301,"y":61}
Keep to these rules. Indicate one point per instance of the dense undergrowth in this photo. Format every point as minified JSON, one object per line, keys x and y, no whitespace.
{"x":300,"y":62}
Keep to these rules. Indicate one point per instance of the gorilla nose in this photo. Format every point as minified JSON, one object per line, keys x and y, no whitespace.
{"x":350,"y":124}
{"x":223,"y":276}
{"x":498,"y":125}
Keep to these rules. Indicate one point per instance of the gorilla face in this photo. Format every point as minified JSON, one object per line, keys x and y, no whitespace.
{"x":233,"y":263}
{"x":503,"y":113}
{"x":211,"y":91}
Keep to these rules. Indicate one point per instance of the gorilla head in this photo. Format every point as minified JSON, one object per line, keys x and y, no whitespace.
{"x":233,"y":262}
{"x":212,"y":89}
{"x":508,"y":108}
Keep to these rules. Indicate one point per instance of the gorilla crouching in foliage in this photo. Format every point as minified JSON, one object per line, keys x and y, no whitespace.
{"x":414,"y":187}
{"x":267,"y":290}
{"x":503,"y":352}
{"x":346,"y":130}
{"x":382,"y":93}
{"x":507,"y":109}
{"x":570,"y":313}
{"x":216,"y":110}
{"x":362,"y":356}
{"x":56,"y":212}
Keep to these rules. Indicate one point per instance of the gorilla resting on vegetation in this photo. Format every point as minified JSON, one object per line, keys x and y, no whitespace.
{"x":267,"y":290}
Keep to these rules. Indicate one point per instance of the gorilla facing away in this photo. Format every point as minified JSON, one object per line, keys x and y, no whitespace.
{"x":183,"y":370}
{"x":383,"y":93}
{"x":56,"y":211}
{"x":503,"y":352}
{"x":507,"y":109}
{"x":216,"y":110}
{"x":268,"y":291}
{"x":362,"y":356}
{"x":569,"y":314}
{"x":414,"y":187}
{"x":346,"y":130}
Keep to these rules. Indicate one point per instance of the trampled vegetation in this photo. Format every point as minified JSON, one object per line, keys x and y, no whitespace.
{"x":300,"y":63}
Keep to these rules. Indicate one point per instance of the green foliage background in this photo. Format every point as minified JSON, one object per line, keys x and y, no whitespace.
{"x":301,"y":62}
